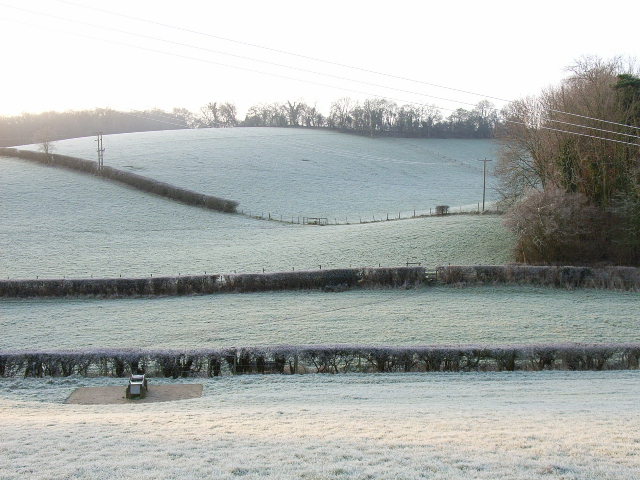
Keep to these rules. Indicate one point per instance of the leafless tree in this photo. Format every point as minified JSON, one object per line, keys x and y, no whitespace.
{"x":45,"y":143}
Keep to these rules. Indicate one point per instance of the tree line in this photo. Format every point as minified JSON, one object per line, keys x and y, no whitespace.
{"x":371,"y":117}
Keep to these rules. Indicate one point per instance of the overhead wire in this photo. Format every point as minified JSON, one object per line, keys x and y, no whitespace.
{"x":243,"y":57}
{"x":339,"y":77}
{"x":325,"y":61}
{"x":592,"y":128}
{"x":575,"y":133}
{"x":212,"y":62}
{"x":188,"y":57}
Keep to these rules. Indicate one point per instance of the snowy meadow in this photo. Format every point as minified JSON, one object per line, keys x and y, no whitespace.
{"x":424,"y":316}
{"x":517,"y":426}
{"x":56,"y":223}
{"x":300,"y":172}
{"x":476,"y":425}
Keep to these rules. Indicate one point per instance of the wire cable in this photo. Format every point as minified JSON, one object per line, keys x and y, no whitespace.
{"x":321,"y":60}
{"x":575,"y":133}
{"x":377,"y":85}
{"x":188,"y":57}
{"x":243,"y":57}
{"x":592,"y":128}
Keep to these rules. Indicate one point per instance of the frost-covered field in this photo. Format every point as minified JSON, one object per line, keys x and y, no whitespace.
{"x":56,"y":223}
{"x":545,"y":425}
{"x":296,"y":172}
{"x":443,"y":315}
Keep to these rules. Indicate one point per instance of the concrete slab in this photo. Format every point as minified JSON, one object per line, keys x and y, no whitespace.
{"x":116,"y":394}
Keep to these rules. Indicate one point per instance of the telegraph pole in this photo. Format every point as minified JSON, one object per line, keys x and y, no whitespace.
{"x":100,"y":151}
{"x":484,"y":179}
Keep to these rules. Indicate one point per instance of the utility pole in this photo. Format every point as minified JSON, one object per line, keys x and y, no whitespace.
{"x":484,"y":179}
{"x":100,"y":151}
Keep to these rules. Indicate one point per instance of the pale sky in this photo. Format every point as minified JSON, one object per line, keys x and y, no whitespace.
{"x":504,"y":49}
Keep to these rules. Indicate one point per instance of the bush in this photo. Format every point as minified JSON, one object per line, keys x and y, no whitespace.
{"x":557,"y":227}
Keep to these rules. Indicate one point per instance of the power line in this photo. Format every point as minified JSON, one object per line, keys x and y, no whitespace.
{"x":592,"y":128}
{"x":325,"y":61}
{"x":574,"y":133}
{"x":188,"y":57}
{"x":292,"y":67}
{"x":246,"y":69}
{"x":597,"y":119}
{"x":243,"y":57}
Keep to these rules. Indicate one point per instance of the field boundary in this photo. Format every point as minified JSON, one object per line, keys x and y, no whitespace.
{"x":136,"y":181}
{"x":334,"y":359}
{"x":330,"y":280}
{"x":211,"y":202}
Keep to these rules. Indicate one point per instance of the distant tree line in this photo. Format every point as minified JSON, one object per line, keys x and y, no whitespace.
{"x":379,"y":117}
{"x":50,"y":126}
{"x":372,"y":117}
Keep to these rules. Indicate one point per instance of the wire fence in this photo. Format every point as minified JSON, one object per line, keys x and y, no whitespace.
{"x":334,"y":220}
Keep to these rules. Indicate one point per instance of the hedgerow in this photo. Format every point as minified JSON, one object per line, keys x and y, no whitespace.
{"x":328,"y":359}
{"x":139,"y":182}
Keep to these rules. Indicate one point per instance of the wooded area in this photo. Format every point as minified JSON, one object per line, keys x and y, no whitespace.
{"x":570,"y":167}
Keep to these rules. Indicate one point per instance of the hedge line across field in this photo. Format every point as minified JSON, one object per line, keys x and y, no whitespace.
{"x":139,"y":182}
{"x":290,"y":359}
{"x":332,"y":280}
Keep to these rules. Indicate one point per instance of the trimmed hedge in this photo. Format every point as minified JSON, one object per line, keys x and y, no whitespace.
{"x":622,"y":278}
{"x":139,"y":182}
{"x":334,"y":359}
{"x":336,"y":280}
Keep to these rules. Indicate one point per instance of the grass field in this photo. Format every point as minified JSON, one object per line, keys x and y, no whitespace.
{"x":444,"y":315}
{"x":298,"y":172}
{"x":57,"y":223}
{"x":516,"y":426}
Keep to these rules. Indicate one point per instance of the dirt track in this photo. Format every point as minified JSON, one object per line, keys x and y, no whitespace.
{"x":116,"y":395}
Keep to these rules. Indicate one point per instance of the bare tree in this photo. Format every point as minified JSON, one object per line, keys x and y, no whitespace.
{"x":44,"y":140}
{"x":228,"y":114}
{"x":211,"y":115}
{"x":340,"y":115}
{"x":294,"y":111}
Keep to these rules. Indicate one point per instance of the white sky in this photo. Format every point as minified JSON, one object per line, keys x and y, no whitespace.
{"x":505,"y":49}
